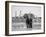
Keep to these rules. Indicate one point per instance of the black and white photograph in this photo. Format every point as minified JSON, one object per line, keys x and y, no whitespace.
{"x":26,"y":18}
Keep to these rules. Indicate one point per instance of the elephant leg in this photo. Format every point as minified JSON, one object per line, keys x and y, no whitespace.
{"x":30,"y":25}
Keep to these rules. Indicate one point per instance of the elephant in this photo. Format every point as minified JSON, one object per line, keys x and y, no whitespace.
{"x":29,"y":18}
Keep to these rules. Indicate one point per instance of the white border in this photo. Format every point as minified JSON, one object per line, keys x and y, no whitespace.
{"x":23,"y":32}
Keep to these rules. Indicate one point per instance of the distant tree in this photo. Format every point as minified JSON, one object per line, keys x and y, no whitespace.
{"x":13,"y":19}
{"x":16,"y":17}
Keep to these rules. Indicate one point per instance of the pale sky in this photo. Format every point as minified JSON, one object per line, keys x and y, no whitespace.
{"x":36,"y":10}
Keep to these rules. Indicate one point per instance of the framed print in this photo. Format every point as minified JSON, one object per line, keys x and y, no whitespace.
{"x":24,"y":18}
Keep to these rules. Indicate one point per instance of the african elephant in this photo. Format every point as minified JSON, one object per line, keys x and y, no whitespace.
{"x":29,"y":18}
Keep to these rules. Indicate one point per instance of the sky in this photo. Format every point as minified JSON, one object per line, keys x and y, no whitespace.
{"x":36,"y":10}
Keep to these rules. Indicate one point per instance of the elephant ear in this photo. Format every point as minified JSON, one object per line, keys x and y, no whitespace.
{"x":25,"y":15}
{"x":32,"y":16}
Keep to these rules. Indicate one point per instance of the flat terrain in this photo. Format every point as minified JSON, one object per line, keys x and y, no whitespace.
{"x":23,"y":27}
{"x":20,"y":25}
